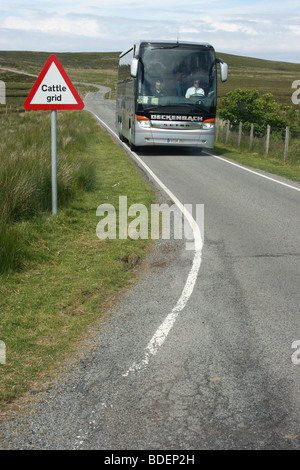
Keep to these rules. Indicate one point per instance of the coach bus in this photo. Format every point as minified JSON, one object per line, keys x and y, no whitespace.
{"x":167,"y":94}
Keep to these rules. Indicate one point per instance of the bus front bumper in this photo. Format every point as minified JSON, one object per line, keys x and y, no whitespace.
{"x":150,"y":136}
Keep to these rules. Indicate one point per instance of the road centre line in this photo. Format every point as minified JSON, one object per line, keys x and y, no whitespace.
{"x":164,"y":329}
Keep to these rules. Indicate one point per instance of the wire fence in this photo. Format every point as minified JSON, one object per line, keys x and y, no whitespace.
{"x":279,"y":143}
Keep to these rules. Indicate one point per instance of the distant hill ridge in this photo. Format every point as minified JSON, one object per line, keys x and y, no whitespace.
{"x":267,"y":76}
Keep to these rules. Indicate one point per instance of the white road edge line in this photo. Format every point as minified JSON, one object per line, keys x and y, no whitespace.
{"x":253,"y":171}
{"x":163,"y":330}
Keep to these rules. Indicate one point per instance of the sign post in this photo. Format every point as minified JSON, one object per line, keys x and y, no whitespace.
{"x":53,"y":90}
{"x":54,"y":159}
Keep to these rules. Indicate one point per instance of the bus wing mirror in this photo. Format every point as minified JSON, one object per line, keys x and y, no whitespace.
{"x":223,"y":70}
{"x":134,"y":67}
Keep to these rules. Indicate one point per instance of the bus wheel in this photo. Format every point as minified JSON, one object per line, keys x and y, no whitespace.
{"x":121,"y":137}
{"x":131,"y":145}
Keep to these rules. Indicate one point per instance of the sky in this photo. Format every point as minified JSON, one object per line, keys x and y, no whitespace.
{"x":258,"y":28}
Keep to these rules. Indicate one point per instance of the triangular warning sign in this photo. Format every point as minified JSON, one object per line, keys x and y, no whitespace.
{"x":53,"y":89}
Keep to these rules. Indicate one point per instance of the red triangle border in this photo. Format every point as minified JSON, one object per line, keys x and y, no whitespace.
{"x":27,"y":103}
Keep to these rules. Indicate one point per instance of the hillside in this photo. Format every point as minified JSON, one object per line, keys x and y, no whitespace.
{"x":101,"y":68}
{"x":265,"y":75}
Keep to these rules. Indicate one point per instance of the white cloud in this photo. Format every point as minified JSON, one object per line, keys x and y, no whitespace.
{"x":228,"y":26}
{"x":295,"y":29}
{"x":249,"y":28}
{"x":78,"y":27}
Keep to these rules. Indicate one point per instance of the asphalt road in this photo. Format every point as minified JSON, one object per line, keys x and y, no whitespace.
{"x":224,"y":376}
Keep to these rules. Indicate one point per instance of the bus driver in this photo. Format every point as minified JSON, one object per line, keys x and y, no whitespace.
{"x":195,"y":90}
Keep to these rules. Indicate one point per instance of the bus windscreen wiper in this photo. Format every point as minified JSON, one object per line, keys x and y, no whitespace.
{"x":165,"y":47}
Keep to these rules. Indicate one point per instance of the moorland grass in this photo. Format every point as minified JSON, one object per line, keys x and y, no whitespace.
{"x":25,"y":166}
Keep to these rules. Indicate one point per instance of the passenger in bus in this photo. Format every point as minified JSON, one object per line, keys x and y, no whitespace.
{"x":195,"y":90}
{"x":181,"y":73}
{"x":179,"y":83}
{"x":158,"y":90}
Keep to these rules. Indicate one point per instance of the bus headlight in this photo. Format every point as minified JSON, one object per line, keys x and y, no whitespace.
{"x":208,"y":124}
{"x":143,"y":121}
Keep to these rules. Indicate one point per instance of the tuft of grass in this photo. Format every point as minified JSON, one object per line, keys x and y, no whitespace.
{"x":25,"y":164}
{"x":12,"y":249}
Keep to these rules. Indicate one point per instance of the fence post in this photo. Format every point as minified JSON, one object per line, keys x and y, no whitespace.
{"x":268,"y":139}
{"x":240,"y":133}
{"x":286,"y":143}
{"x":251,"y":137}
{"x":227,"y":131}
{"x":217,"y":129}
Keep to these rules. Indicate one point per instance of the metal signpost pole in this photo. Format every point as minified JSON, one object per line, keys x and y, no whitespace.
{"x":54,"y":159}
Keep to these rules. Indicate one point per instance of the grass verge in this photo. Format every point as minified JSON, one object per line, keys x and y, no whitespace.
{"x":67,"y":276}
{"x":261,"y":162}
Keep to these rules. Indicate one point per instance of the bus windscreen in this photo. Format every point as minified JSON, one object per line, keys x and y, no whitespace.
{"x":178,"y":78}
